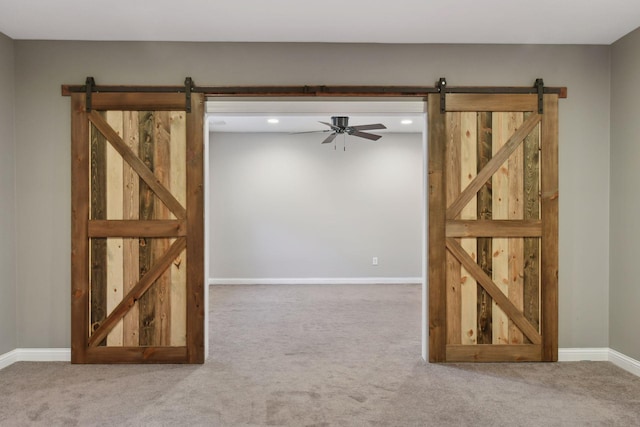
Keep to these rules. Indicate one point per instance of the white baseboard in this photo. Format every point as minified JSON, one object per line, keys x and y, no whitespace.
{"x":624,"y":362}
{"x":318,"y":281}
{"x":580,"y":354}
{"x":603,"y":354}
{"x":8,"y":358}
{"x":564,"y":355}
{"x":35,"y":355}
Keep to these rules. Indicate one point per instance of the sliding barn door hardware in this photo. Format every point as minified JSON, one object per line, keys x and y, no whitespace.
{"x":188,"y":87}
{"x":441,"y":87}
{"x":89,"y":88}
{"x":442,"y":84}
{"x":540,"y":88}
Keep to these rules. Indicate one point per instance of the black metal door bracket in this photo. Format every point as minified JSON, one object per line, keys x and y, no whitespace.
{"x":89,"y":87}
{"x":188,"y":87}
{"x":442,"y":83}
{"x":539,"y":85}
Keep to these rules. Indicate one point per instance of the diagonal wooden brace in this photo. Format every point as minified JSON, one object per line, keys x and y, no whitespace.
{"x":498,"y":296}
{"x":137,"y":291}
{"x":138,"y":166}
{"x":492,"y":166}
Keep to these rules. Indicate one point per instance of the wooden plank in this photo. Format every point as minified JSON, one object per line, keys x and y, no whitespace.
{"x":178,"y":132}
{"x":491,"y":102}
{"x":516,"y":244}
{"x":131,"y":212}
{"x":195,"y":224}
{"x":98,"y":249}
{"x":468,"y":171}
{"x":115,"y":250}
{"x":146,"y":305}
{"x":496,"y":228}
{"x":178,"y":188}
{"x":143,"y":285}
{"x":162,"y":171}
{"x":503,"y":128}
{"x":138,"y":228}
{"x":484,"y":252}
{"x":549,"y":214}
{"x":80,"y":160}
{"x":137,"y":355}
{"x":452,"y":190}
{"x":138,"y":165}
{"x":138,"y":101}
{"x":492,"y":166}
{"x":531,"y":184}
{"x":496,"y":293}
{"x":494,"y":353}
{"x":179,"y":300}
{"x":436,"y":253}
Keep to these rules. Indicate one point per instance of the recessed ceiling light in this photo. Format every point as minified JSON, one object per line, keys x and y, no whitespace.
{"x":406,"y":121}
{"x":273,"y":121}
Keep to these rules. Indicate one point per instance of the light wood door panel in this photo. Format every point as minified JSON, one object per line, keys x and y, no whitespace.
{"x":137,"y":224}
{"x":493,"y":236}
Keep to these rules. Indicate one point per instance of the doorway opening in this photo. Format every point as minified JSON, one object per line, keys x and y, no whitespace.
{"x":244,"y":122}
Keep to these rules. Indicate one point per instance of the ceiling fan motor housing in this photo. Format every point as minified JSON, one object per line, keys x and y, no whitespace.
{"x":340,"y":121}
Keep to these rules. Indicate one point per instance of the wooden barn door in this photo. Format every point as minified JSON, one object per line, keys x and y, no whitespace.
{"x":137,"y":228}
{"x":493,"y":227}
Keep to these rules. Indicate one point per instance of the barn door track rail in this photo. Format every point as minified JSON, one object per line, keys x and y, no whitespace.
{"x":440,"y":87}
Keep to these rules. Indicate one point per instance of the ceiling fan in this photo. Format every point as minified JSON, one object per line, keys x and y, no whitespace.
{"x":340,"y":125}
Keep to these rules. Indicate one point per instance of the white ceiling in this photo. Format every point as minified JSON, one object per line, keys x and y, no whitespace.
{"x":288,"y":123}
{"x":303,"y":115}
{"x":341,"y":21}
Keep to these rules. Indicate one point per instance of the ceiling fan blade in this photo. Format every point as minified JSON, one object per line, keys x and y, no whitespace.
{"x":310,"y":131}
{"x":366,"y":135}
{"x":369,"y":127}
{"x":333,"y":127}
{"x":330,"y":138}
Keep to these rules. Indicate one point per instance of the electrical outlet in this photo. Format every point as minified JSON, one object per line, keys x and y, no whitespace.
{"x":374,"y":261}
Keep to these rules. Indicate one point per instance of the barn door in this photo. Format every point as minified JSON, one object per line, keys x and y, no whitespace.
{"x":137,"y":228}
{"x":493,"y":227}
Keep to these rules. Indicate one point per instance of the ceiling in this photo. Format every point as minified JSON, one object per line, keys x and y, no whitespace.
{"x":340,"y":21}
{"x":289,"y":123}
{"x":303,"y":115}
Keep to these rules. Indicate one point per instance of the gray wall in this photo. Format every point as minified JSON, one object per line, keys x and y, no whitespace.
{"x":625,"y":195}
{"x":43,"y":162}
{"x":7,"y":199}
{"x":286,"y":206}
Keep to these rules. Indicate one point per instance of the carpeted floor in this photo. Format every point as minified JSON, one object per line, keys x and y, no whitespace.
{"x":319,"y":356}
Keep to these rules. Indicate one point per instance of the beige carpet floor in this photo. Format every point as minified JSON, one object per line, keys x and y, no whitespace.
{"x":319,"y":356}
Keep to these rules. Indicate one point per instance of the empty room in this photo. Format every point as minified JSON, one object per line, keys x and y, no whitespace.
{"x":327,"y":213}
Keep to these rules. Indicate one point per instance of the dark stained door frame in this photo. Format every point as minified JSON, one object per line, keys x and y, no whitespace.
{"x":88,"y":343}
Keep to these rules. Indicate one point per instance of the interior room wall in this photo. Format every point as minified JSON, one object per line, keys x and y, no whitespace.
{"x":625,"y":199}
{"x":7,"y":198}
{"x":286,"y":206}
{"x":43,"y":135}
